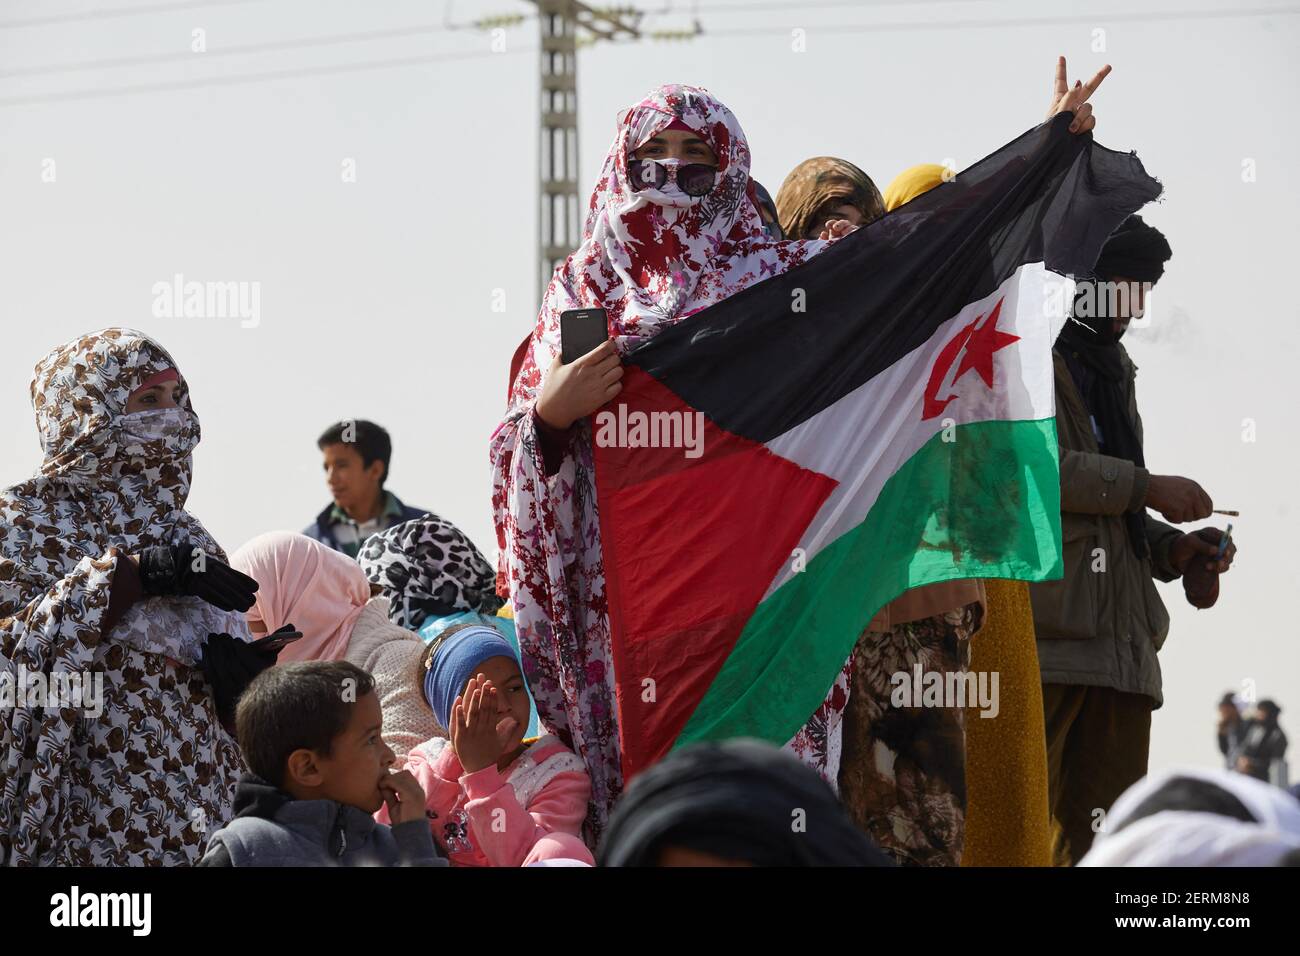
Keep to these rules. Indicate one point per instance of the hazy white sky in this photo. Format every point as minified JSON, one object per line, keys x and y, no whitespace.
{"x":377,"y":295}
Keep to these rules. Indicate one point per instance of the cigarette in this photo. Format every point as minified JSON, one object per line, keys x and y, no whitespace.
{"x":1230,"y":514}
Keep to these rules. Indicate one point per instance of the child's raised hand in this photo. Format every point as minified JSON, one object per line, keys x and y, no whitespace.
{"x":478,"y":735}
{"x":404,"y":797}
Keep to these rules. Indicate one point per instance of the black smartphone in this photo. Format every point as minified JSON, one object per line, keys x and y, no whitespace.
{"x":279,"y":640}
{"x":581,"y":330}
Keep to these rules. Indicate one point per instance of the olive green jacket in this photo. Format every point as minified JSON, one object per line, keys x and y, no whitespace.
{"x":1103,"y":623}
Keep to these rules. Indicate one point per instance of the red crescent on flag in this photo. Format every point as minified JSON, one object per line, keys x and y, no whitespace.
{"x":974,"y":345}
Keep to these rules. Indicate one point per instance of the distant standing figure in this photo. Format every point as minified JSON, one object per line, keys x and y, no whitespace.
{"x":1261,"y":742}
{"x":1230,"y":725}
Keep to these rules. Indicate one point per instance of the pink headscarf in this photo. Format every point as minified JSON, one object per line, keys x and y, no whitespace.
{"x":302,"y":582}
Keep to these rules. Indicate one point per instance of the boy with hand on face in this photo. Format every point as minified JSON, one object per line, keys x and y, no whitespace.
{"x":310,"y":734}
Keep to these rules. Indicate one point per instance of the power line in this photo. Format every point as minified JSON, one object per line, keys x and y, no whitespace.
{"x":316,"y":42}
{"x":784,"y":6}
{"x":247,"y":48}
{"x":400,"y":32}
{"x":143,"y":88}
{"x":943,"y":24}
{"x":117,"y":12}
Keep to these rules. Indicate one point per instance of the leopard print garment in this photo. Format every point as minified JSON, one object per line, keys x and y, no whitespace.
{"x":142,"y":781}
{"x":903,"y":768}
{"x":427,"y":568}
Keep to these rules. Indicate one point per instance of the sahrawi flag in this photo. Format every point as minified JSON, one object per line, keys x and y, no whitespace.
{"x":877,"y":419}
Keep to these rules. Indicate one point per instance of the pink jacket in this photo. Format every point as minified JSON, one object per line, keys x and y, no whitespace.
{"x":490,"y":818}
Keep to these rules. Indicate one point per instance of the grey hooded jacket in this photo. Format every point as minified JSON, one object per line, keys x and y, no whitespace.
{"x":273,"y":829}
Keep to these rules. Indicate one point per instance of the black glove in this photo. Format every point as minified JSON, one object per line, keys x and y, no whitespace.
{"x":170,"y":569}
{"x":230,"y":665}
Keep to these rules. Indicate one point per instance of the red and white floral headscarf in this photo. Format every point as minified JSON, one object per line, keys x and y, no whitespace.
{"x":650,"y":258}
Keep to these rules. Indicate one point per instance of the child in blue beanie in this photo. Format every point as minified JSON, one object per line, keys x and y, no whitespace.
{"x":494,"y":798}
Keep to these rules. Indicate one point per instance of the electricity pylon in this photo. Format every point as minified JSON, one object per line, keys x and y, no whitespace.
{"x":565,"y":24}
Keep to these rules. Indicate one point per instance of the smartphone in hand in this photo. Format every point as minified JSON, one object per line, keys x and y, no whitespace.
{"x":581,"y":330}
{"x":278,"y":641}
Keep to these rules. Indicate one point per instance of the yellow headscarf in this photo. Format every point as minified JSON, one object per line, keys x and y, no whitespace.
{"x":910,"y":183}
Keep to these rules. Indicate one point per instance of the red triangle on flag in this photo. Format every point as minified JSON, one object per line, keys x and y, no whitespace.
{"x":690,"y":546}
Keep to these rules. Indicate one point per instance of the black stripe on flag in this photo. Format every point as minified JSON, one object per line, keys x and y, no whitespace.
{"x":757,"y":368}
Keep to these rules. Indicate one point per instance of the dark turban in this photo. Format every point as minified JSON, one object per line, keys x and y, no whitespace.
{"x":1134,"y":251}
{"x":740,"y":800}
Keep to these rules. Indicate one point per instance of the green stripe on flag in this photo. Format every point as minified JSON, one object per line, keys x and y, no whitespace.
{"x":984,"y":504}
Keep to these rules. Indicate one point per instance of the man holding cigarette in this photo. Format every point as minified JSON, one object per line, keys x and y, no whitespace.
{"x":1099,"y":628}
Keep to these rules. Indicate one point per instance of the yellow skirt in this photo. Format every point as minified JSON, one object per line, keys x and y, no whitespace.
{"x":1007,"y":819}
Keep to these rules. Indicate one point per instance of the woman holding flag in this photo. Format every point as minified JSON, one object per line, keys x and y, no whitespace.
{"x":672,"y":229}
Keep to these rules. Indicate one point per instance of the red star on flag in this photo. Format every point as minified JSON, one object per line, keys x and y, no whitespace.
{"x":974,"y":345}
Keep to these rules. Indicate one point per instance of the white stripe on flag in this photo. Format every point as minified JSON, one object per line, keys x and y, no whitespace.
{"x":866,"y":436}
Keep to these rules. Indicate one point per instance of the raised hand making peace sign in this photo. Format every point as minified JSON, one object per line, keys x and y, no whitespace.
{"x":1074,"y":99}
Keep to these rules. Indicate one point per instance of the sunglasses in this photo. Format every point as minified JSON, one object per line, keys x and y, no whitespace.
{"x":695,"y":179}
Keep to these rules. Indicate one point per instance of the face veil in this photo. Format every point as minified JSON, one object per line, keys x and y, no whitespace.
{"x":109,"y":485}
